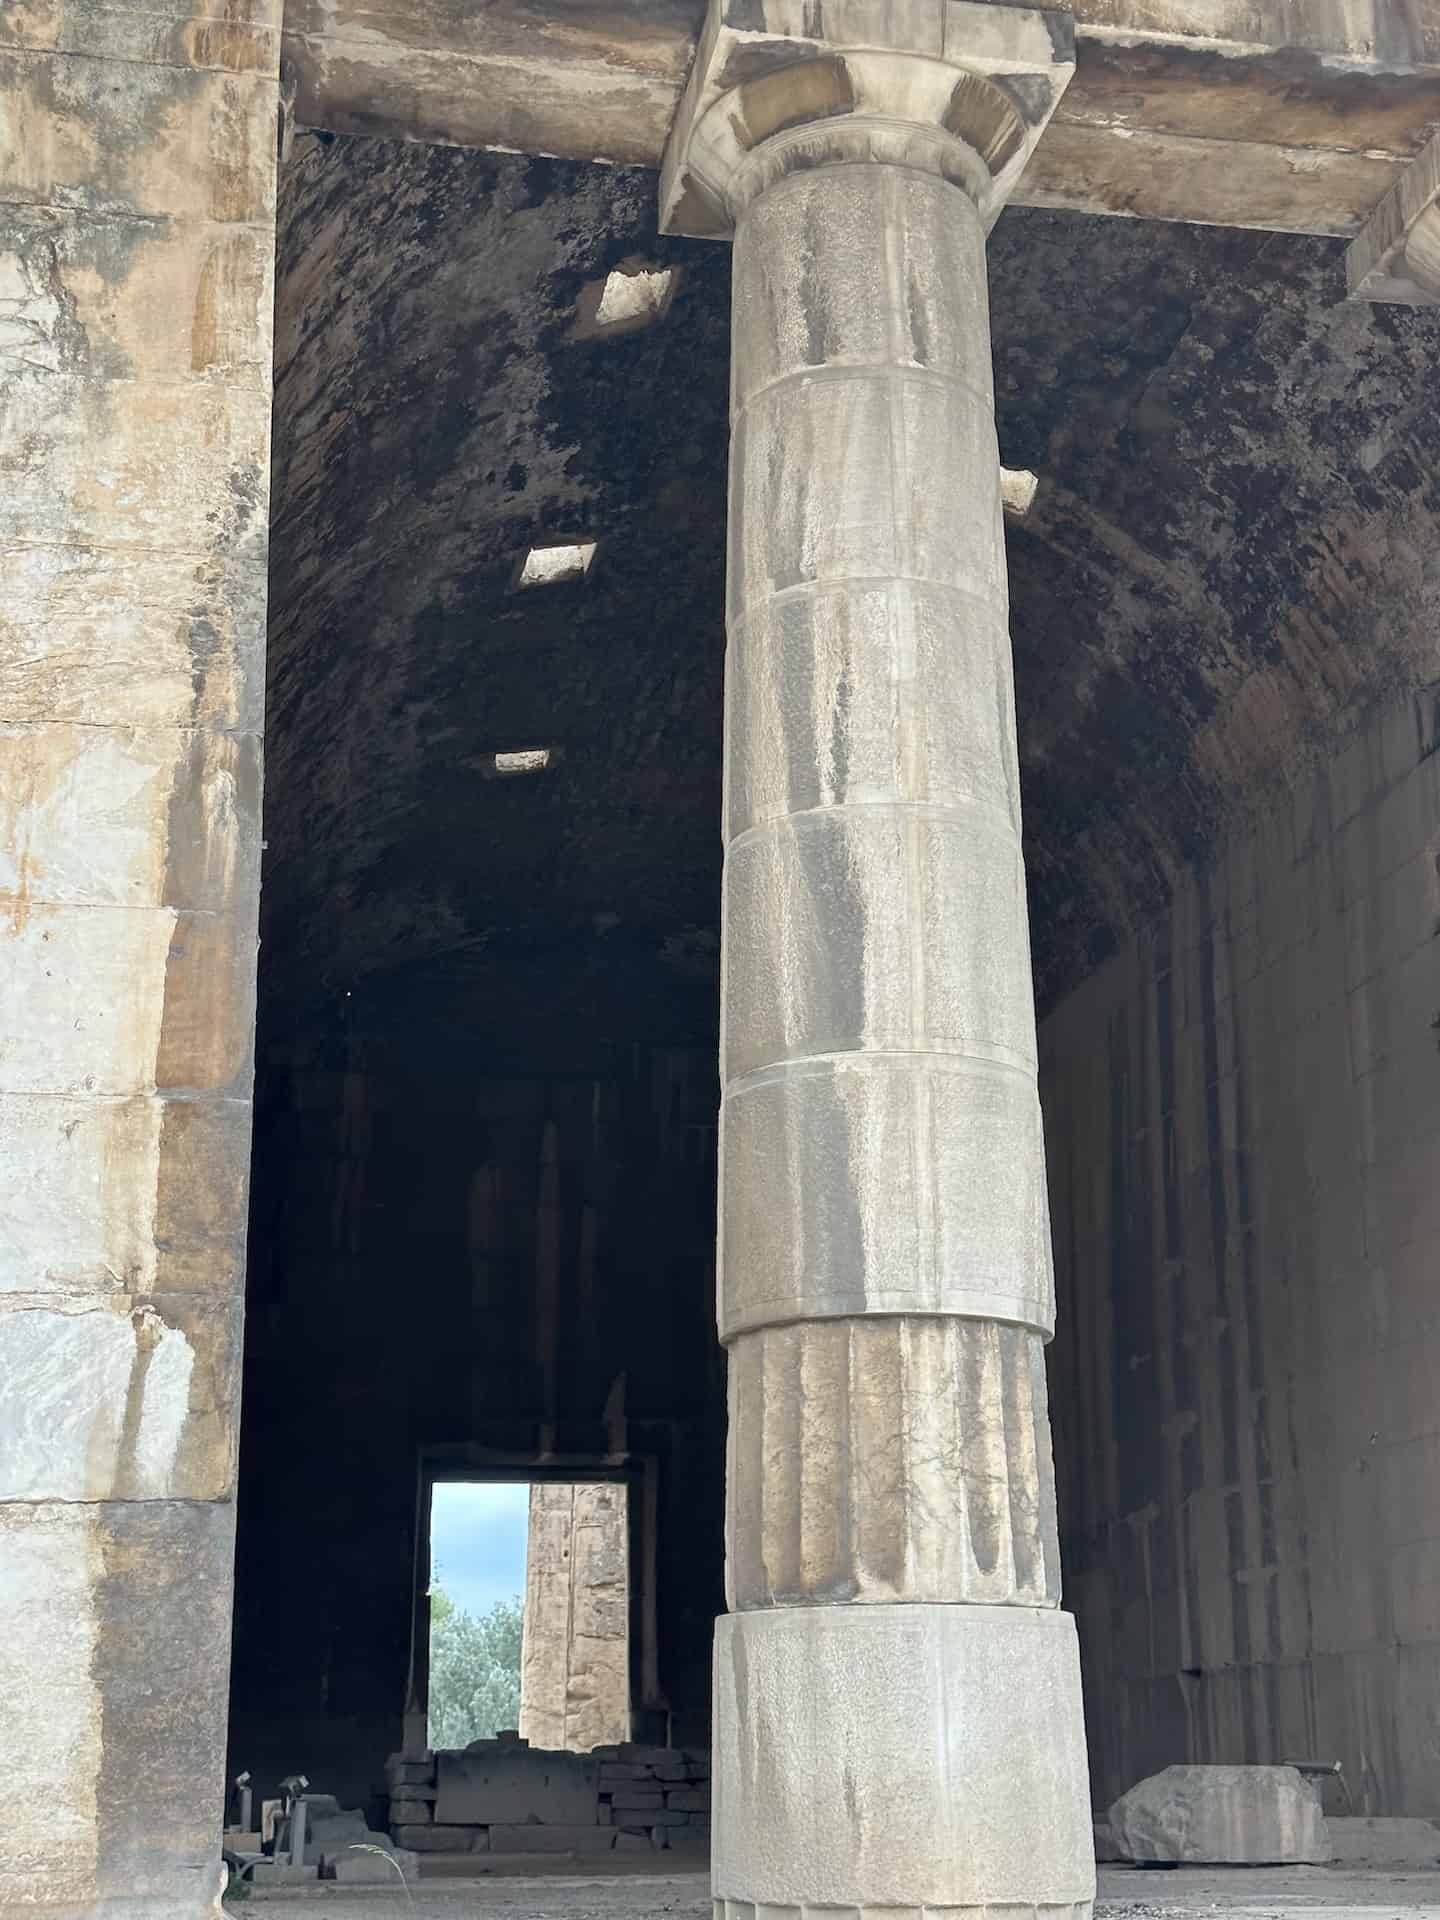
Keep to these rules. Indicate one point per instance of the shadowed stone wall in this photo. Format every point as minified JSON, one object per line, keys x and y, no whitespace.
{"x":464,"y":1251}
{"x":1243,"y":1115}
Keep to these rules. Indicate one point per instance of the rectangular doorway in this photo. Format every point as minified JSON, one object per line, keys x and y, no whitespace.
{"x":529,"y":1613}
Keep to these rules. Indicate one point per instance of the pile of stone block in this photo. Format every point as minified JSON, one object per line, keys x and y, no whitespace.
{"x":659,"y":1793}
{"x":504,"y":1796}
{"x":339,"y":1845}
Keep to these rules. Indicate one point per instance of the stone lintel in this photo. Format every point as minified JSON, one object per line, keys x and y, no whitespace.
{"x":959,"y":87}
{"x":1396,"y":258}
{"x":1245,"y":113}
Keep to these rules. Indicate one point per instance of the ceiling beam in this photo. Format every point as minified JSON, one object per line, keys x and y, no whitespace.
{"x":1289,"y":115}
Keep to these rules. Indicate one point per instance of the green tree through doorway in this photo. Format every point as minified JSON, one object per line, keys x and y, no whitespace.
{"x":474,"y":1671}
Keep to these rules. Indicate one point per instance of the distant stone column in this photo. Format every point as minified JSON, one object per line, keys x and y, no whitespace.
{"x":137,"y":184}
{"x":897,"y":1694}
{"x":575,"y":1659}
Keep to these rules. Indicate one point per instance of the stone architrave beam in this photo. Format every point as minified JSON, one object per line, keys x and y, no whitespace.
{"x":1249,"y":113}
{"x":1397,"y":257}
{"x":897,"y":1696}
{"x":137,"y":206}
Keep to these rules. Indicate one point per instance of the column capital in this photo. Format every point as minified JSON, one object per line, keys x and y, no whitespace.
{"x":959,"y":88}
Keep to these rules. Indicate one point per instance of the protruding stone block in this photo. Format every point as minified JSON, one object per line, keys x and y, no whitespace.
{"x":1222,"y":1816}
{"x":973,"y":1788}
{"x":370,"y":1865}
{"x":1396,"y":259}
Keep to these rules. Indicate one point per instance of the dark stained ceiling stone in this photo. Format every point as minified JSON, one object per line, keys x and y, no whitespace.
{"x":1233,"y":553}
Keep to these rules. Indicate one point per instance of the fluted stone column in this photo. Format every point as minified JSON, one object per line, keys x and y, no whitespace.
{"x":897,"y":1694}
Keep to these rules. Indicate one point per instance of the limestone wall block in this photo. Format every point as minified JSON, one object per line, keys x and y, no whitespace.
{"x":200,"y":305}
{"x":118,"y":817}
{"x":123,"y":1399}
{"x":115,"y":135}
{"x":145,"y":639}
{"x":184,"y":470}
{"x":114,"y":1646}
{"x":418,"y":1838}
{"x":125,"y":1001}
{"x":140,"y":1195}
{"x":238,"y":36}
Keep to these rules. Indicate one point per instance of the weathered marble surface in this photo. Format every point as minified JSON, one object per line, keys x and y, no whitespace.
{"x":1222,"y":1816}
{"x":575,"y":1660}
{"x":901,"y":1756}
{"x":137,"y":174}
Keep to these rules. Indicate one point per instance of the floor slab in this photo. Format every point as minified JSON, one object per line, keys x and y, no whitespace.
{"x":1125,"y":1893}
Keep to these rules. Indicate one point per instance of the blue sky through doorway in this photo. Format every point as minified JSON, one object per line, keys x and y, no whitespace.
{"x":477,"y":1542}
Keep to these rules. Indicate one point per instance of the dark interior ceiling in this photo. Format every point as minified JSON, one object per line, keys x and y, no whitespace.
{"x":1233,"y":554}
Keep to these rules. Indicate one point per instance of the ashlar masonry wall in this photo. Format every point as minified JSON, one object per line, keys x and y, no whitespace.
{"x":1243,"y":1118}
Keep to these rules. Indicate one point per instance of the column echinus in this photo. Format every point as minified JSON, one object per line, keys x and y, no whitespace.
{"x":897,"y":1694}
{"x":137,"y":184}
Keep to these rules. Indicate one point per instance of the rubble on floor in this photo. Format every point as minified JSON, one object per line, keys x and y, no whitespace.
{"x":504,"y":1796}
{"x":1222,"y":1816}
{"x":339,"y":1844}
